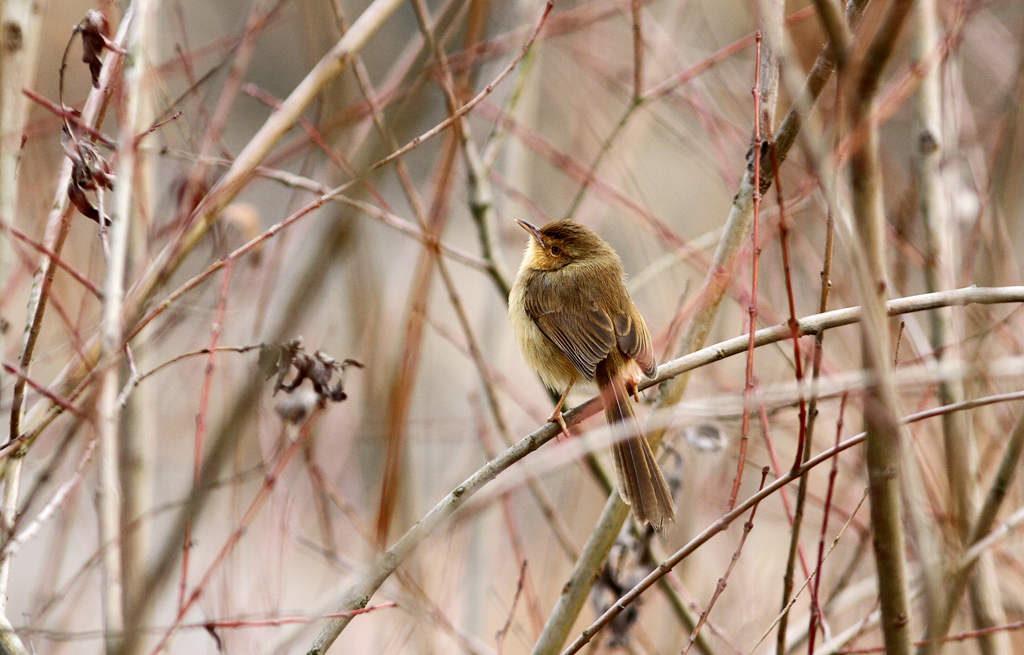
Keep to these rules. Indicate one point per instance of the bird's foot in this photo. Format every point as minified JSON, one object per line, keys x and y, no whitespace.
{"x":556,"y":417}
{"x":631,"y":390}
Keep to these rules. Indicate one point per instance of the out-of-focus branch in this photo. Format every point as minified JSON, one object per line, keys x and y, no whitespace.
{"x":721,"y":524}
{"x":359,"y":593}
{"x":982,"y":527}
{"x":57,"y":225}
{"x":957,"y":429}
{"x":256,"y":150}
{"x":10,"y":644}
{"x":18,"y":59}
{"x":109,"y":491}
{"x":831,"y":14}
{"x":884,"y":435}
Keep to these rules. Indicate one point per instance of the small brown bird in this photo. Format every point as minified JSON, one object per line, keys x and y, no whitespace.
{"x":575,"y":322}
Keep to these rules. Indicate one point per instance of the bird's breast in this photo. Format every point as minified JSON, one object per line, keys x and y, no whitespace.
{"x":540,"y":353}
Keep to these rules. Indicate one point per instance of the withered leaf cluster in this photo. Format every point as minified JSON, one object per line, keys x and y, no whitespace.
{"x":319,"y":368}
{"x":89,"y":172}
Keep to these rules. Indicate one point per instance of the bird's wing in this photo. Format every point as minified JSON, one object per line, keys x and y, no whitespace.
{"x":572,"y":321}
{"x":634,"y":340}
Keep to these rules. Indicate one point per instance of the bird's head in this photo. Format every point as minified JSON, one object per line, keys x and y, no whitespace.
{"x":561,"y":243}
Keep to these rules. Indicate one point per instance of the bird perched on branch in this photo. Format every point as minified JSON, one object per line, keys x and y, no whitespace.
{"x":575,"y":322}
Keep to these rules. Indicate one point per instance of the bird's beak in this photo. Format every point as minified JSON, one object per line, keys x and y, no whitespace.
{"x":532,"y":229}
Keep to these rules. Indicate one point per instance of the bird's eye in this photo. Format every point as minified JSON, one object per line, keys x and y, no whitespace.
{"x":555,"y":250}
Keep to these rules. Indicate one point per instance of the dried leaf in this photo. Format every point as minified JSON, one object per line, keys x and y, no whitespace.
{"x":89,"y":172}
{"x":94,"y":29}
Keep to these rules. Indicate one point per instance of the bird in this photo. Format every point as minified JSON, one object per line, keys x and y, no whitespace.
{"x":575,"y":322}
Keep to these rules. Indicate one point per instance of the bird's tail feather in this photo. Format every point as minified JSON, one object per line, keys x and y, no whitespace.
{"x":637,"y":474}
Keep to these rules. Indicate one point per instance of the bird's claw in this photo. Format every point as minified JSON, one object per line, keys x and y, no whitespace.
{"x":556,"y":417}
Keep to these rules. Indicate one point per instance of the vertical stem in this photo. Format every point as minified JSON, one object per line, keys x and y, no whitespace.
{"x":884,"y":435}
{"x":57,"y":226}
{"x":816,"y":615}
{"x":204,"y":404}
{"x":958,"y":438}
{"x":755,"y":253}
{"x":140,"y":414}
{"x":111,"y":329}
{"x":22,"y":20}
{"x":638,"y":51}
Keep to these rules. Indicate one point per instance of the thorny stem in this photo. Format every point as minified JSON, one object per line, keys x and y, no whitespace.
{"x":840,"y":48}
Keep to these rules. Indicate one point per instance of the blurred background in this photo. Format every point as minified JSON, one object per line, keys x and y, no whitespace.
{"x":651,"y":161}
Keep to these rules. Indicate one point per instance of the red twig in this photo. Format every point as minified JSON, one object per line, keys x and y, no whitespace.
{"x":755,"y":253}
{"x":317,"y":138}
{"x":70,"y":116}
{"x":235,"y":254}
{"x":250,"y":514}
{"x":962,"y":636}
{"x":282,"y":620}
{"x":798,"y":360}
{"x":40,"y":389}
{"x":727,"y":518}
{"x":466,"y":108}
{"x":500,"y":637}
{"x":72,"y":271}
{"x":720,"y":587}
{"x":796,"y":518}
{"x":763,"y":415}
{"x":204,"y":404}
{"x":815,"y":606}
